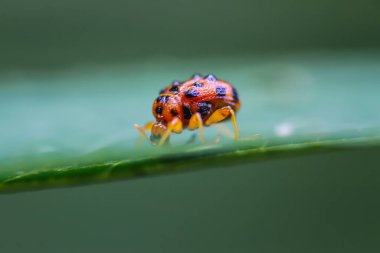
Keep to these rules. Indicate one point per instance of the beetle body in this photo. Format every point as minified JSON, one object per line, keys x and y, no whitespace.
{"x":191,"y":104}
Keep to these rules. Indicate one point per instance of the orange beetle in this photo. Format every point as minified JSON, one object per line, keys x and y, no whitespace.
{"x":197,"y":102}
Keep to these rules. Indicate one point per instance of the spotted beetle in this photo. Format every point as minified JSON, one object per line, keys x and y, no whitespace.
{"x":194,"y":103}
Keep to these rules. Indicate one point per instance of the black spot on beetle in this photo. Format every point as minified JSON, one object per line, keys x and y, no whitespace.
{"x":191,"y":93}
{"x":174,"y":88}
{"x":197,"y":84}
{"x":162,"y":91}
{"x":204,"y":108}
{"x":173,"y":112}
{"x":162,"y":99}
{"x":186,"y":112}
{"x":159,"y":110}
{"x":221,"y":91}
{"x":211,"y":78}
{"x":235,"y":94}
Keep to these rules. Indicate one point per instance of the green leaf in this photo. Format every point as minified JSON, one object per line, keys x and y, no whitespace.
{"x":76,"y":126}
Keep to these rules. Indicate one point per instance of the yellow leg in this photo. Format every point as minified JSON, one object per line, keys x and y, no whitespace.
{"x":175,"y":125}
{"x":197,"y":122}
{"x":222,"y":114}
{"x":148,"y":126}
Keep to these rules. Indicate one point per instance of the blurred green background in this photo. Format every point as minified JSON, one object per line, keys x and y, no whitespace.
{"x":60,"y":33}
{"x":76,"y":75}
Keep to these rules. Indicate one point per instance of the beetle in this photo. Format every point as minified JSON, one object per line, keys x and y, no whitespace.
{"x":194,"y":103}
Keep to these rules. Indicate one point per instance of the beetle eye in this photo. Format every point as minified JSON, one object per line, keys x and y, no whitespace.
{"x":159,"y":110}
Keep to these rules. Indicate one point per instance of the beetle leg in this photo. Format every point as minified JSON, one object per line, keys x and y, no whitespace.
{"x":148,"y":126}
{"x":197,"y":122}
{"x":174,"y":126}
{"x":222,"y":114}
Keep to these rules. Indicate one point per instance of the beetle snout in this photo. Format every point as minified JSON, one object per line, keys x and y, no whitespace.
{"x":157,"y":132}
{"x":155,"y":139}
